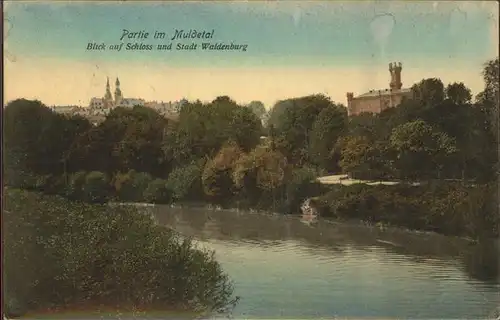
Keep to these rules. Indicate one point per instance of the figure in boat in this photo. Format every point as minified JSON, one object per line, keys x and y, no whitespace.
{"x":308,"y":212}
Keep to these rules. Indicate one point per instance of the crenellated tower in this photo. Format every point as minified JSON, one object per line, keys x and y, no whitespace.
{"x":395,"y":71}
{"x":350,"y":97}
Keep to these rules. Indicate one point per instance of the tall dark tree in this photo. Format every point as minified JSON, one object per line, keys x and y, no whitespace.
{"x":458,"y":93}
{"x":35,"y":137}
{"x":203,"y":129}
{"x":329,"y":126}
{"x":430,"y":92}
{"x":294,"y":127}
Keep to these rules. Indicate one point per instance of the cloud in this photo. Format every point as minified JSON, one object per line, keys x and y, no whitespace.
{"x":381,"y":27}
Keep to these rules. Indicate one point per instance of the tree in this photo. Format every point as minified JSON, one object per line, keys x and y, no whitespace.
{"x":490,"y":73}
{"x":258,"y":109}
{"x":203,"y":129}
{"x":488,"y":99}
{"x":458,"y":93}
{"x":217,"y":176}
{"x":261,"y":171}
{"x":35,"y":137}
{"x":363,"y":124}
{"x":246,"y":129}
{"x":361,"y":158}
{"x":140,"y":147}
{"x":430,"y":92}
{"x":157,"y":192}
{"x":275,"y":114}
{"x":130,"y":186}
{"x":184,"y":182}
{"x":127,"y":139}
{"x":329,"y":126}
{"x":420,"y":149}
{"x":96,"y":187}
{"x":294,"y":127}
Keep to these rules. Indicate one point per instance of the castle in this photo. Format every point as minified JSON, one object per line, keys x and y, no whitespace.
{"x":376,"y":101}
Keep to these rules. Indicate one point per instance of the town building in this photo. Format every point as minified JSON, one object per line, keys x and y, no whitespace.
{"x":376,"y":101}
{"x":99,"y":108}
{"x":64,"y":109}
{"x":102,"y":106}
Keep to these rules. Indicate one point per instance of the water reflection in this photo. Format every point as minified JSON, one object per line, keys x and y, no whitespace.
{"x":340,"y":269}
{"x":267,"y":230}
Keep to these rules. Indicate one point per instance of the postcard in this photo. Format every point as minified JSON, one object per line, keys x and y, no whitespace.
{"x":250,"y":160}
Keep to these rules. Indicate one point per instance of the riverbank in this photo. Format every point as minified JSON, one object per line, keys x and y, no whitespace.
{"x":444,"y":207}
{"x":60,"y":254}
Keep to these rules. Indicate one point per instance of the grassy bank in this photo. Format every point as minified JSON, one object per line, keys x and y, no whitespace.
{"x":445,"y":208}
{"x":64,"y":255}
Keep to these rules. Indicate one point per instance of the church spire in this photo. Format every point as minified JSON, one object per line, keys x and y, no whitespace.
{"x":118,"y":92}
{"x":108,"y":99}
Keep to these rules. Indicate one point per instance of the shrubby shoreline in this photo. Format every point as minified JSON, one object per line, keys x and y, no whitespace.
{"x":447,"y":208}
{"x":65,"y":255}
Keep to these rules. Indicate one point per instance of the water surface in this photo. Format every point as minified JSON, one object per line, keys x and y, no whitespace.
{"x":284,"y":268}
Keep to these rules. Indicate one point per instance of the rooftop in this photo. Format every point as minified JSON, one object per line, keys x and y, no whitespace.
{"x":376,"y":93}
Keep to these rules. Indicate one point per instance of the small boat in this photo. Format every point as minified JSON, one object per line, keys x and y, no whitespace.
{"x":308,"y":212}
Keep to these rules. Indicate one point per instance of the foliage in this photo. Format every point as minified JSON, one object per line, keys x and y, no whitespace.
{"x":363,"y":124}
{"x":458,"y":93}
{"x":157,"y":192}
{"x":35,"y":137}
{"x":419,"y":148}
{"x":258,"y":109}
{"x":446,"y":208}
{"x":329,"y":126}
{"x":262,"y":168}
{"x":429,"y":92}
{"x":203,"y":129}
{"x":75,"y":185}
{"x":185,"y":181}
{"x":294,"y":125}
{"x":361,"y":158}
{"x":216,"y":177}
{"x":64,"y":254}
{"x":96,"y":187}
{"x":301,"y":186}
{"x":131,"y":186}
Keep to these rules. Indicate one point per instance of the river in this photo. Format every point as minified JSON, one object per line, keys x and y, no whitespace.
{"x":284,"y":268}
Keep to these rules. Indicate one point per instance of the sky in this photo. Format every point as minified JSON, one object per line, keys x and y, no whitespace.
{"x":293,"y":48}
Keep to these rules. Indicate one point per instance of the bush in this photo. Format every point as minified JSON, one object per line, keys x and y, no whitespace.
{"x":184,"y":183}
{"x":96,"y":187}
{"x":56,"y":185}
{"x":301,"y":186}
{"x":131,"y":186}
{"x":62,"y":254}
{"x":75,"y":187}
{"x":157,"y":192}
{"x":446,"y":208}
{"x":20,"y":179}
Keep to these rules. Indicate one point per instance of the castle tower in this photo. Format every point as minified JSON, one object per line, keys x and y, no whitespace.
{"x":350,"y":97}
{"x":118,"y":92}
{"x":108,"y":99}
{"x":395,"y":71}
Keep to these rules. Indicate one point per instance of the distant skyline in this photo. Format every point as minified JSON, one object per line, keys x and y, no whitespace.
{"x":294,"y":48}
